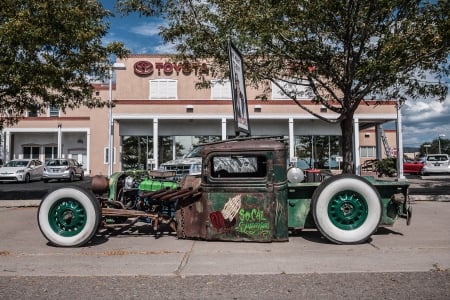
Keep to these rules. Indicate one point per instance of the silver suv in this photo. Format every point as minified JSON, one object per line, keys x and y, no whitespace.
{"x":63,"y":169}
{"x":190,"y":164}
{"x":436,"y":163}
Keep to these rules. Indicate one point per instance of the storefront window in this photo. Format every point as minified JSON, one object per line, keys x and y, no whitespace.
{"x":368,"y":151}
{"x":31,"y":152}
{"x":137,"y":151}
{"x":317,"y":151}
{"x":50,"y":152}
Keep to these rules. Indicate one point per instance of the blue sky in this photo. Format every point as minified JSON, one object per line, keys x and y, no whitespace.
{"x":423,"y":121}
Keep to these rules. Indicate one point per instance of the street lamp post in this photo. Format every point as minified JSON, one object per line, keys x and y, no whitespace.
{"x":426,"y":146}
{"x":439,"y":141}
{"x":115,"y":66}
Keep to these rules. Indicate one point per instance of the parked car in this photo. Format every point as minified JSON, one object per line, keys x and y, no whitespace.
{"x":412,"y":166}
{"x":436,"y":163}
{"x":189,"y":164}
{"x":63,"y":169}
{"x":21,"y":170}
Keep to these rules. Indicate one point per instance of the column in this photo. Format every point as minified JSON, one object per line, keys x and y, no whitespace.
{"x":155,"y":142}
{"x":7,"y":146}
{"x":378,"y":142}
{"x":59,"y":140}
{"x":87,"y":167}
{"x":400,"y":175}
{"x":356,"y":153}
{"x":224,"y":129}
{"x":291,"y":139}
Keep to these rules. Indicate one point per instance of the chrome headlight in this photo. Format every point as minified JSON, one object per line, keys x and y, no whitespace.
{"x":129,"y":182}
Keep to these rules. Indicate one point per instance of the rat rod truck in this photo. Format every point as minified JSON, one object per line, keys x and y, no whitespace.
{"x":245,"y":192}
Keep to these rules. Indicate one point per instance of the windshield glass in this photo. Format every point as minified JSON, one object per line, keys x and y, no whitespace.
{"x":56,"y":163}
{"x":194,"y":152}
{"x":17,"y":163}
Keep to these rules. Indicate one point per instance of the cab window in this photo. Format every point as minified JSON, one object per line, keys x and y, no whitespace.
{"x":233,"y":166}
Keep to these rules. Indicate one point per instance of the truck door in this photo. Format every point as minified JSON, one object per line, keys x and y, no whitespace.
{"x":240,"y":199}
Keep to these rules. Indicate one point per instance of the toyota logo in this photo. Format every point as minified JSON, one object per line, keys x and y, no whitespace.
{"x":143,"y":68}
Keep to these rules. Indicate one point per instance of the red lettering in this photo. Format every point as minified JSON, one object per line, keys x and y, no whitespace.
{"x":177,"y":68}
{"x":159,"y":66}
{"x":186,"y":68}
{"x":143,"y":68}
{"x":204,"y":69}
{"x":168,"y":68}
{"x":195,"y":67}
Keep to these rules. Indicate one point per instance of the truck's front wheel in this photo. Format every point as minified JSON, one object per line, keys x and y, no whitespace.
{"x":69,"y":217}
{"x":346,"y":209}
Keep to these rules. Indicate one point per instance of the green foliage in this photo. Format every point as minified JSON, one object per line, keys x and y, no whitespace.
{"x":387,"y":166}
{"x":433,"y":146}
{"x":49,"y":53}
{"x":344,"y":51}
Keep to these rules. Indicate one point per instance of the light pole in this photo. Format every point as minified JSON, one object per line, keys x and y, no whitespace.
{"x":439,"y":141}
{"x":426,"y":146}
{"x":115,"y":66}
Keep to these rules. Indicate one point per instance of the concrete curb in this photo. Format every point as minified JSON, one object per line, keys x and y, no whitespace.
{"x":439,"y":198}
{"x":19,"y":203}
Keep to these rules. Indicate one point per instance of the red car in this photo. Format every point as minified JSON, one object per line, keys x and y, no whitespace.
{"x":412,"y":166}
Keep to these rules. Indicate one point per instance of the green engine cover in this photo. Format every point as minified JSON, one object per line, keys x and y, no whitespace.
{"x":155,"y":185}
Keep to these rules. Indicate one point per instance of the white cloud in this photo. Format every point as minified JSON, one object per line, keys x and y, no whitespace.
{"x":424,"y":121}
{"x":165,"y":48}
{"x":147,"y":29}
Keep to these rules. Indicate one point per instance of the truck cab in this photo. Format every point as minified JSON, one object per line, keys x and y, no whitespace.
{"x":244,"y":193}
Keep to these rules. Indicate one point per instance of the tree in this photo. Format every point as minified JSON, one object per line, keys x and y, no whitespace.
{"x":345,"y":51}
{"x":49,"y":53}
{"x":433,"y":146}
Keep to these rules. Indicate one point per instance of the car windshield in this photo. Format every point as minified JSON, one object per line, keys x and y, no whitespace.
{"x":194,"y":152}
{"x":17,"y":163}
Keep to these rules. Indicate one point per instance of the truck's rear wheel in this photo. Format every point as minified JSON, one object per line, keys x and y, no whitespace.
{"x":69,"y":216}
{"x":346,"y":209}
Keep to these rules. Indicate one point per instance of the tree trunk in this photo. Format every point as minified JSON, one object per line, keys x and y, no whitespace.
{"x":347,"y":144}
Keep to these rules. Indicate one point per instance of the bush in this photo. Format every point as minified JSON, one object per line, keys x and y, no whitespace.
{"x":387,"y":166}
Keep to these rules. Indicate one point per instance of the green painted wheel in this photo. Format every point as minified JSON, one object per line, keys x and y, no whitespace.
{"x":69,"y":216}
{"x":346,"y":209}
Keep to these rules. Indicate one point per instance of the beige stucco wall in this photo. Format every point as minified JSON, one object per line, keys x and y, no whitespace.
{"x":131,"y":97}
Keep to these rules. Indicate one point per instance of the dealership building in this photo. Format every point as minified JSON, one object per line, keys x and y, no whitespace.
{"x":158,"y":114}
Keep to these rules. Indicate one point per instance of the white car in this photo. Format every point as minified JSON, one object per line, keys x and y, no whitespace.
{"x":21,"y":170}
{"x":436,"y":163}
